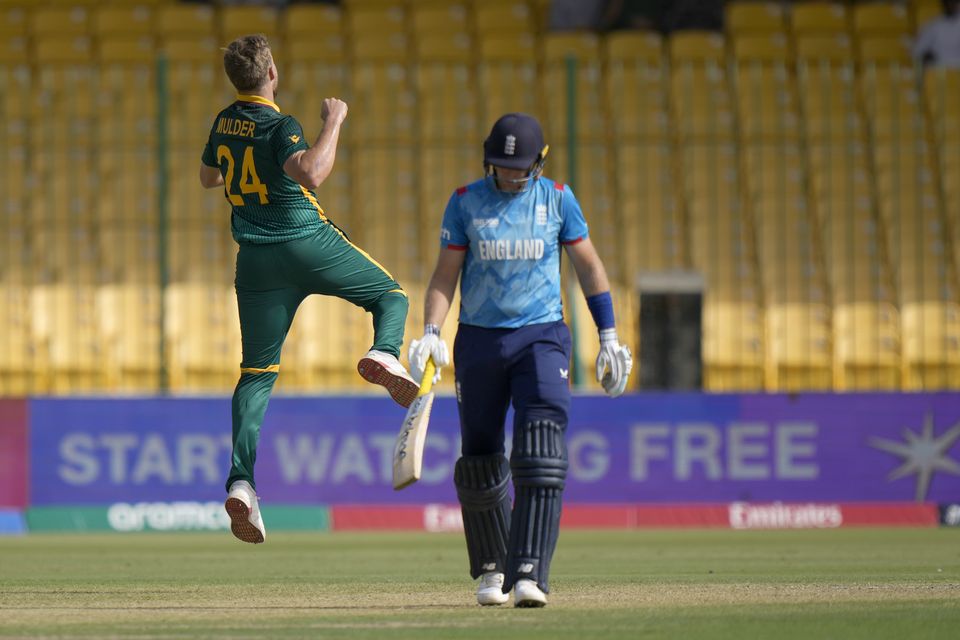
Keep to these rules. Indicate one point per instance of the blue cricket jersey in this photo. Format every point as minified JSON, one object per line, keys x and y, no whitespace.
{"x":511,"y":273}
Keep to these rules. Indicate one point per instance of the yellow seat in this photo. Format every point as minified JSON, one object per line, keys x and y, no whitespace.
{"x":924,"y":11}
{"x":383,"y":93}
{"x":818,"y":17}
{"x":112,"y":20}
{"x":867,"y":347}
{"x":314,"y":68}
{"x":65,"y":332}
{"x":382,"y":23}
{"x":695,"y":46}
{"x":305,"y":21}
{"x":59,"y":21}
{"x":13,"y":51}
{"x":702,"y":103}
{"x":733,"y":348}
{"x":129,"y":325}
{"x":885,"y":49}
{"x":13,"y":22}
{"x":765,"y":17}
{"x":502,"y":16}
{"x":439,"y":17}
{"x":824,"y":49}
{"x":442,"y":168}
{"x":931,"y":344}
{"x":387,"y":223}
{"x":799,"y":347}
{"x":635,"y":86}
{"x":506,"y":59}
{"x":651,"y":227}
{"x":17,"y":350}
{"x":202,"y":333}
{"x":584,"y":50}
{"x":236,"y":21}
{"x":182,"y":20}
{"x":880,"y":17}
{"x":446,"y":89}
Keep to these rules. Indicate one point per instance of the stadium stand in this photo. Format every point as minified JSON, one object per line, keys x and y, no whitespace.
{"x":799,"y":161}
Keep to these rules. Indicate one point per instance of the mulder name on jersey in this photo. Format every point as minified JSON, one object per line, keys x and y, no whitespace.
{"x":511,"y":273}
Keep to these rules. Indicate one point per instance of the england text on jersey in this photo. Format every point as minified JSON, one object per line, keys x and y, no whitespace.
{"x":520,"y":249}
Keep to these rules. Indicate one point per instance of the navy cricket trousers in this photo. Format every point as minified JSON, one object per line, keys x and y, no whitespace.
{"x":529,"y":365}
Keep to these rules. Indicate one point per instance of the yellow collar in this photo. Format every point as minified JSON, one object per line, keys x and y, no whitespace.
{"x":259,"y":100}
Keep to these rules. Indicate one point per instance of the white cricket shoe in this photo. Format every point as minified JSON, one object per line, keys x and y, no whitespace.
{"x":243,"y":508}
{"x":526,"y":593}
{"x":382,"y":368}
{"x":490,"y":589}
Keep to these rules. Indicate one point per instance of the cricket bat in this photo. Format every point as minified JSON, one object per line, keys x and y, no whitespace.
{"x":408,"y":451}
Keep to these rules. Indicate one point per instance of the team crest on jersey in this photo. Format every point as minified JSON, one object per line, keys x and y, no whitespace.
{"x":486,"y":223}
{"x":294,"y":139}
{"x":540,"y":213}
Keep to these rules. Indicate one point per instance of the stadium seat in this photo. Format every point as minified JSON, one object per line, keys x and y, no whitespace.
{"x":745,"y":17}
{"x":880,"y":17}
{"x":65,"y":332}
{"x":636,"y":87}
{"x":13,"y":22}
{"x":446,"y":89}
{"x":384,"y":23}
{"x":17,"y":351}
{"x":306,"y":21}
{"x":441,"y":169}
{"x":236,"y":21}
{"x":59,"y":21}
{"x":931,"y":345}
{"x":202,"y":332}
{"x":129,"y":325}
{"x":867,"y":347}
{"x":314,"y":67}
{"x":502,"y":16}
{"x":183,"y":20}
{"x":799,"y":347}
{"x":505,"y":61}
{"x":584,"y":50}
{"x":382,"y":89}
{"x":733,"y":348}
{"x":653,"y":235}
{"x":114,"y":20}
{"x":818,"y":17}
{"x":386,"y":226}
{"x":439,"y":17}
{"x":924,"y":11}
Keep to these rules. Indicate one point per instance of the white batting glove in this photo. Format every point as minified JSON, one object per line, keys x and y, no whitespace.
{"x":614,"y":363}
{"x":430,"y":345}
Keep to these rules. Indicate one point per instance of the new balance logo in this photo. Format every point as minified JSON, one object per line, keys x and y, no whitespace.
{"x":526,"y":567}
{"x":490,"y":566}
{"x":510,"y":145}
{"x":565,"y":373}
{"x":294,"y":139}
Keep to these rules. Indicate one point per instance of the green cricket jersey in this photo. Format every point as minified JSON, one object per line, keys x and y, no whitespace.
{"x":249,"y":142}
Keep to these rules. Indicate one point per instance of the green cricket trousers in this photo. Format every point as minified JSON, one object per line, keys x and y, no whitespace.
{"x":271,"y":282}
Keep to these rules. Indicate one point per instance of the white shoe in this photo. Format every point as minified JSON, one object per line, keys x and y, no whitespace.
{"x":243,"y":507}
{"x":490,"y":590}
{"x":526,"y":593}
{"x":382,"y":368}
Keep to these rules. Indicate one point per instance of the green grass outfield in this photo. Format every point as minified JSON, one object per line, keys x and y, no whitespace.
{"x":848,"y":583}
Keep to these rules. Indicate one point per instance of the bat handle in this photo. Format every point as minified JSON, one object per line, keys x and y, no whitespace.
{"x":426,"y":382}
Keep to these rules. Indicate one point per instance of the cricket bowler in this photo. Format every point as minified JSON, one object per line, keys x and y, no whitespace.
{"x":288,"y":249}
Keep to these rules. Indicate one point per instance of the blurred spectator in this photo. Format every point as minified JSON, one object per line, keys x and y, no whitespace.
{"x":635,"y":14}
{"x":569,"y":15}
{"x":939,"y":40}
{"x":693,"y":14}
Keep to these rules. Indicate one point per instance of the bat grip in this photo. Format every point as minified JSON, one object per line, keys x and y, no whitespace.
{"x":426,"y":382}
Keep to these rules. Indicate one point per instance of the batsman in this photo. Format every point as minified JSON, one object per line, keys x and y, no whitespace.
{"x":501,"y":238}
{"x":288,"y":249}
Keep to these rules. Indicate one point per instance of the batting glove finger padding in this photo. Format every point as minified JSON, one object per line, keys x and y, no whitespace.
{"x":427,"y":346}
{"x":614,"y":364}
